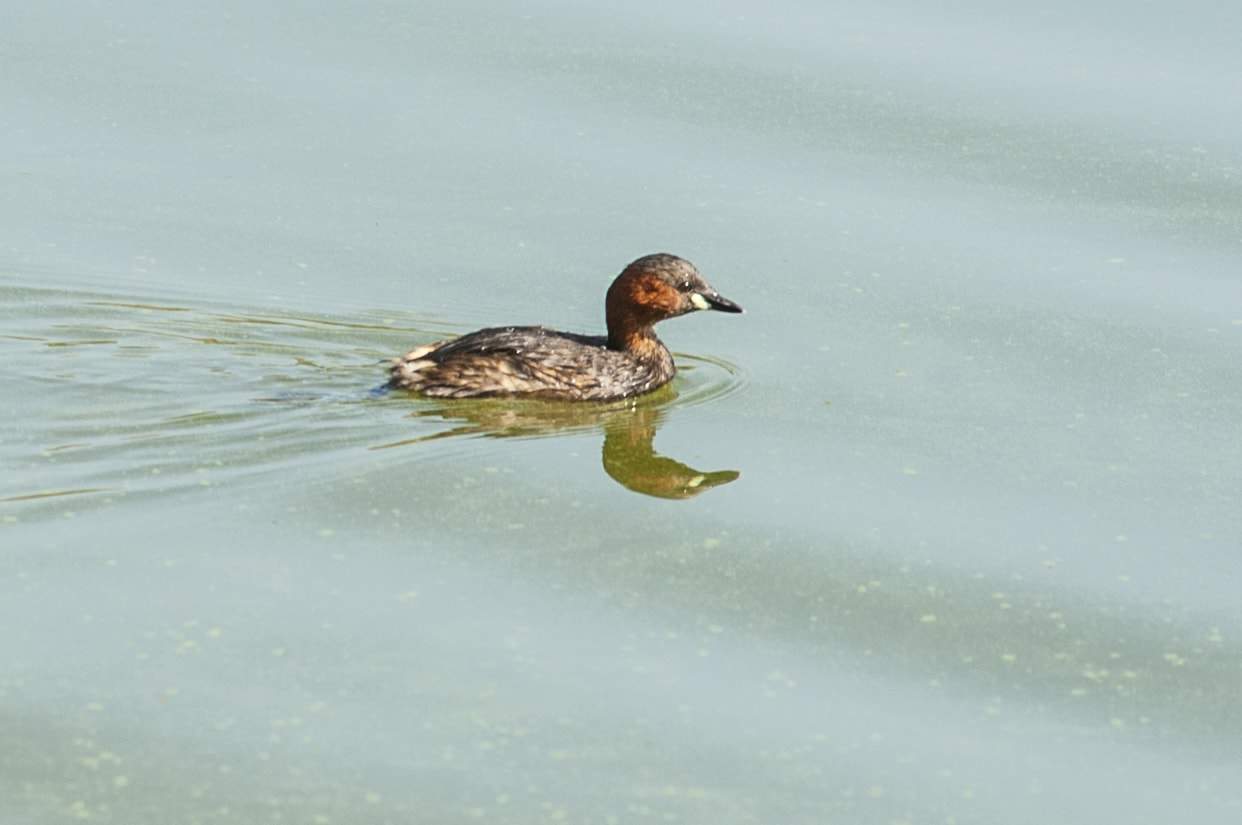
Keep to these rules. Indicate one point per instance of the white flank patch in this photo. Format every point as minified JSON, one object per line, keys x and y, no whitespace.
{"x":419,"y":352}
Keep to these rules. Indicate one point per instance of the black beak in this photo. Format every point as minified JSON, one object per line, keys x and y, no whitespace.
{"x":719,"y":302}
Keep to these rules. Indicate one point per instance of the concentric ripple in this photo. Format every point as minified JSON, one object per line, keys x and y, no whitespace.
{"x":703,"y":379}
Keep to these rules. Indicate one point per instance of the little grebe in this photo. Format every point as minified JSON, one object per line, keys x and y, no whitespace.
{"x":534,"y":362}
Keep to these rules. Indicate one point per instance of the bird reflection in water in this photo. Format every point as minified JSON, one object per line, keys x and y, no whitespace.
{"x":629,"y":455}
{"x":631,"y":460}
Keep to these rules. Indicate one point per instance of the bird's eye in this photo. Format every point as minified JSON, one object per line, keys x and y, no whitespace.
{"x":685,"y":285}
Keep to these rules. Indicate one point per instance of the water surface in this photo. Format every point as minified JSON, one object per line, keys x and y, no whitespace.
{"x":945,"y":529}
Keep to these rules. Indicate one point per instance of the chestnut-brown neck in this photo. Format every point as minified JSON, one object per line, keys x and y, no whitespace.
{"x":635,"y":302}
{"x":627,"y":334}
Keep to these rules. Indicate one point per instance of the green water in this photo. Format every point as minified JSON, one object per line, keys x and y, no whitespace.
{"x":945,"y":529}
